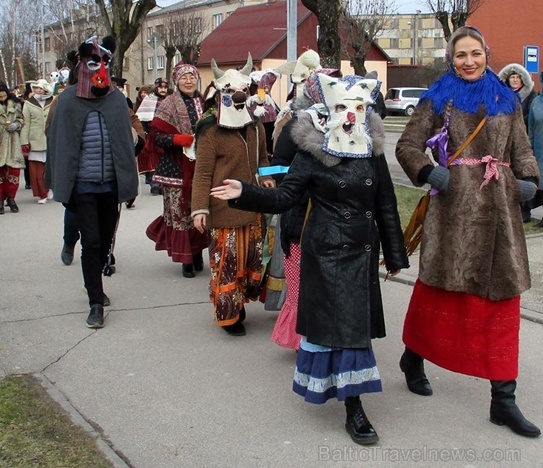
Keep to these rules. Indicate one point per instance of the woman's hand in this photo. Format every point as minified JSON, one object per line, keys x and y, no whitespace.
{"x":268,"y":183}
{"x":200,"y":223}
{"x":393,"y":272}
{"x":229,"y":191}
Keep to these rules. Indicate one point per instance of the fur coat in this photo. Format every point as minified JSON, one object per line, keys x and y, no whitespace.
{"x":473,"y":239}
{"x":10,"y":144}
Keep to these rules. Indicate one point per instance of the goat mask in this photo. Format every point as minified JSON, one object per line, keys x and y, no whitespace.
{"x":232,"y":87}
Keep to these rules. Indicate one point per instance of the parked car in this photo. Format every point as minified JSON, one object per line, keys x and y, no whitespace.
{"x":402,"y":100}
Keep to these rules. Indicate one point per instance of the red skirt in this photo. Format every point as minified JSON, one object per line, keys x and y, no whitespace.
{"x":174,"y":231}
{"x":464,"y":333}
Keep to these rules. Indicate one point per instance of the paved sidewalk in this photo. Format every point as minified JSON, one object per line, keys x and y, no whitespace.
{"x":162,"y":386}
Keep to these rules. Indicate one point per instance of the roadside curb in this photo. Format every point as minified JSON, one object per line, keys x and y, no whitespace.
{"x":78,"y":419}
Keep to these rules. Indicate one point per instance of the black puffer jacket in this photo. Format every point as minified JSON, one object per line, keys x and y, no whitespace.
{"x":353,"y":214}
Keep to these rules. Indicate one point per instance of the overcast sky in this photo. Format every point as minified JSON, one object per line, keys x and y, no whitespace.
{"x":404,"y":6}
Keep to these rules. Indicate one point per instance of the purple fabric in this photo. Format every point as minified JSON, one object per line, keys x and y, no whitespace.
{"x":440,"y":142}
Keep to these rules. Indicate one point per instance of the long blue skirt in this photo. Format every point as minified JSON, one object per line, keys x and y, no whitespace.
{"x":323,"y":373}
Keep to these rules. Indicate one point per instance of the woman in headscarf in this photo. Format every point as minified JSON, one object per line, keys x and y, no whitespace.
{"x":172,"y":129}
{"x":464,"y":313}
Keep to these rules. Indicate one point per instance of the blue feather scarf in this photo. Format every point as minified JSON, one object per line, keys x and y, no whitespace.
{"x":468,"y":96}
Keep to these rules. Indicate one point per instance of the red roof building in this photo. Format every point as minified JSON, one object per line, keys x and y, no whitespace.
{"x":262,"y":31}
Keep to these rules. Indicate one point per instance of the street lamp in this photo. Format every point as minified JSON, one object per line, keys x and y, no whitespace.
{"x":414,"y":30}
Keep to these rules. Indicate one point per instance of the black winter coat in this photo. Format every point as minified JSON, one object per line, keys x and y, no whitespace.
{"x":353,"y":212}
{"x":292,"y":221}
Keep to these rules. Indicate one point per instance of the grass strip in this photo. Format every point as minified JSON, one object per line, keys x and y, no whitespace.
{"x":36,"y":432}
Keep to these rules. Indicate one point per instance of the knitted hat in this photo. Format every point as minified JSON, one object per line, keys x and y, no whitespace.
{"x":160,"y":82}
{"x":183,"y":68}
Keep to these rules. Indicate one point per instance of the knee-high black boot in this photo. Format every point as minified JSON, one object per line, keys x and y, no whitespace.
{"x":504,"y":411}
{"x":412,"y":365}
{"x":357,"y":424}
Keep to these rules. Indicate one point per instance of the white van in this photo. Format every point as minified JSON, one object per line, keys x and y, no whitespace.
{"x":402,"y":100}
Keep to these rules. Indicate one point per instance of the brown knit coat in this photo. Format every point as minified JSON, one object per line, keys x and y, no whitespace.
{"x":473,"y":240}
{"x":224,"y":154}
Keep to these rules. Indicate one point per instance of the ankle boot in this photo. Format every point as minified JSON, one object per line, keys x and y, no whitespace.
{"x":504,"y":411}
{"x":12,"y":205}
{"x":1,"y":206}
{"x":198,"y":261}
{"x":412,"y":365}
{"x":188,"y":270}
{"x":96,"y":316}
{"x":357,"y":423}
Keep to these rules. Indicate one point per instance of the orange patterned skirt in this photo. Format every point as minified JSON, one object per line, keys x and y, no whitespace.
{"x":235,"y":258}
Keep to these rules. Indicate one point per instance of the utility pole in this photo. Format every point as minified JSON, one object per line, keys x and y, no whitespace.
{"x":42,"y":43}
{"x":292,"y":26}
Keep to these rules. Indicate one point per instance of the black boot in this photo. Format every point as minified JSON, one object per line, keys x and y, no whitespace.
{"x":96,"y":316}
{"x":12,"y":205}
{"x":1,"y":206}
{"x":198,"y":261}
{"x":412,"y":365}
{"x":188,"y":270}
{"x":357,"y":424}
{"x":504,"y":411}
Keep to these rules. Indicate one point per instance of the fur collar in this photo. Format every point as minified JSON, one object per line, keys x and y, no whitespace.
{"x":528,"y":87}
{"x":310,"y":140}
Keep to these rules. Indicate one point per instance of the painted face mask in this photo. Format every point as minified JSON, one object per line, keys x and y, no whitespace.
{"x":232,"y":87}
{"x":261,"y":104}
{"x":93,"y":69}
{"x":347,"y":100}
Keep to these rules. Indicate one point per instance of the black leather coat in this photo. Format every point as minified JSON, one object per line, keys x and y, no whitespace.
{"x":353,"y":214}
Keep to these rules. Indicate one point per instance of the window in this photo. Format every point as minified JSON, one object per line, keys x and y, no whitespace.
{"x":149,"y":32}
{"x":160,"y":62}
{"x":126,"y":64}
{"x":47,"y":43}
{"x":150,"y":65}
{"x":47,"y":67}
{"x":175,"y":29}
{"x":197,"y":21}
{"x":160,"y":30}
{"x":217,"y":20}
{"x":394,"y":43}
{"x":177,"y":58}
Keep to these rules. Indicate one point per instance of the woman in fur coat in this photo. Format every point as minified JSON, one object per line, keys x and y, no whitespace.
{"x":353,"y":213}
{"x":464,"y":314}
{"x":11,"y":155}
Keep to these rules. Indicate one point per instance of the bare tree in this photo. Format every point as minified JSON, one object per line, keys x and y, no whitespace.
{"x":453,"y":13}
{"x":183,"y":33}
{"x":328,"y":13}
{"x":18,"y":20}
{"x":72,"y":21}
{"x":362,"y":21}
{"x":123,"y":19}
